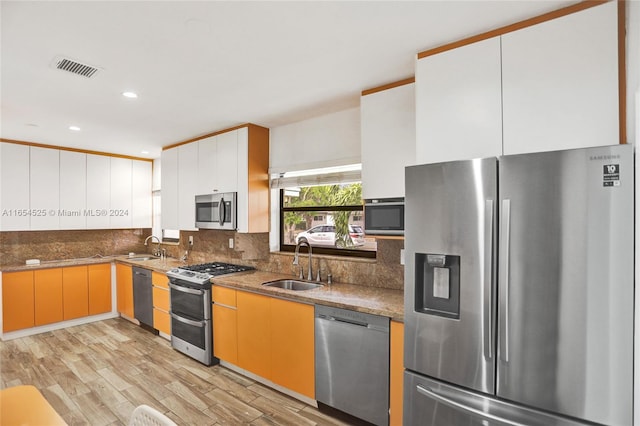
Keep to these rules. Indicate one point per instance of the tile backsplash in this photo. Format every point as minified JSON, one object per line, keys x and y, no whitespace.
{"x":18,"y":246}
{"x":209,"y":245}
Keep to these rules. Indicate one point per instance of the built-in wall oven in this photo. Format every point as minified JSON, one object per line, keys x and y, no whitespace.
{"x":384,"y":216}
{"x":190,"y":300}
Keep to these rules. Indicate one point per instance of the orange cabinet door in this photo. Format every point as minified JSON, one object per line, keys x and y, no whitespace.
{"x":17,"y":300}
{"x":47,"y":285}
{"x":396,"y":373}
{"x":254,"y":333}
{"x":75,"y":292}
{"x":159,"y":280}
{"x":161,"y":321}
{"x":161,"y":298}
{"x":124,"y":289}
{"x":99,"y":288}
{"x":292,"y":346}
{"x":223,"y":295}
{"x":225,"y":333}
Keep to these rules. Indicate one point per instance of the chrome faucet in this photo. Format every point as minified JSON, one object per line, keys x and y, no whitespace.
{"x":296,"y":260}
{"x":156,"y":252}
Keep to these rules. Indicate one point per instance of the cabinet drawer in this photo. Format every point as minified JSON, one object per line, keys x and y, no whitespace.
{"x":161,"y":321}
{"x":159,"y":280}
{"x":161,"y":298}
{"x":224,"y":296}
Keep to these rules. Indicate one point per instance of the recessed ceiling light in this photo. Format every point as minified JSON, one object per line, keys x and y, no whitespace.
{"x":31,"y":125}
{"x":74,"y":128}
{"x":144,"y":152}
{"x":130,"y":95}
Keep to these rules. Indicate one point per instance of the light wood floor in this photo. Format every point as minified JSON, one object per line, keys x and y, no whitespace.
{"x":96,"y":374}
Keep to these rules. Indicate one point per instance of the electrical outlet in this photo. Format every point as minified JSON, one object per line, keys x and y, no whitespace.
{"x":190,"y":240}
{"x":230,"y":242}
{"x":402,"y":256}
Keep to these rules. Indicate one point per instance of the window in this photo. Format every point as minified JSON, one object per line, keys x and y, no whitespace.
{"x":328,"y":217}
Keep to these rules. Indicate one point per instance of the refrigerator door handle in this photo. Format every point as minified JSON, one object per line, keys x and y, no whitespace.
{"x":488,"y":284}
{"x":461,"y":406}
{"x":504,"y":279}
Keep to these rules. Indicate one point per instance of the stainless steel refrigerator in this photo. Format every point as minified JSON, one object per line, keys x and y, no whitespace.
{"x":519,"y":289}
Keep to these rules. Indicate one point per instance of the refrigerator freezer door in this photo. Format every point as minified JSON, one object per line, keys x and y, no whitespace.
{"x":565,"y":339}
{"x":432,"y":403}
{"x":450,"y":220}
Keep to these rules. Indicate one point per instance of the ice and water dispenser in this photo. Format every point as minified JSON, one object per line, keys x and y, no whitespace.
{"x":437,"y":284}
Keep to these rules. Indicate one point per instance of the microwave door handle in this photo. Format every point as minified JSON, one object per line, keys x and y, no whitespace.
{"x":221,"y":212}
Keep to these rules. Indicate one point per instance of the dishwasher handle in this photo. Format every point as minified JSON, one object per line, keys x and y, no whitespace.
{"x":351,"y":321}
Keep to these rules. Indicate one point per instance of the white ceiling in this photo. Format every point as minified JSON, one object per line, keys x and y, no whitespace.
{"x":203,"y":66}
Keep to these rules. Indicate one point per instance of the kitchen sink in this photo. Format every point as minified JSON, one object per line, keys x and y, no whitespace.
{"x":294,"y":285}
{"x":140,"y":258}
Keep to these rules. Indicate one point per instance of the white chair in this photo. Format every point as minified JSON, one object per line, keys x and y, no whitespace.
{"x":144,"y":415}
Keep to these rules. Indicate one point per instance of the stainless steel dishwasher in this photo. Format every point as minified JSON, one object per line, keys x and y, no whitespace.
{"x":352,"y":362}
{"x":142,"y":296}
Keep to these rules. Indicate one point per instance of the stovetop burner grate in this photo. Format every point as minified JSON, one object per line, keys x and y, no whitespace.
{"x":217,"y":268}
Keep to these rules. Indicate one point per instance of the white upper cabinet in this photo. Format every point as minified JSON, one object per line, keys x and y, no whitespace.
{"x":98,"y":191}
{"x":217,"y":163}
{"x":227,"y":164}
{"x":388,"y":132}
{"x":560,"y":83}
{"x":233,"y":161}
{"x":545,"y":87}
{"x":207,"y":164}
{"x":458,"y":104}
{"x":14,"y":187}
{"x":141,"y":202}
{"x":49,"y":189}
{"x":169,"y":184}
{"x":73,"y":190}
{"x":120,"y":205}
{"x":44,"y":188}
{"x":187,"y":185}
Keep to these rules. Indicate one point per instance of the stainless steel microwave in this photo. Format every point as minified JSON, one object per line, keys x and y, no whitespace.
{"x":384,"y":216}
{"x":216,"y":211}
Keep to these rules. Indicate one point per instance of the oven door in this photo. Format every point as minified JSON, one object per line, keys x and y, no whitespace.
{"x":193,"y":332}
{"x":190,"y":301}
{"x":384,"y":217}
{"x":216,"y":211}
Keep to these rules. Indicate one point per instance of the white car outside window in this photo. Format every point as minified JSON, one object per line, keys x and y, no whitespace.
{"x":325,"y":235}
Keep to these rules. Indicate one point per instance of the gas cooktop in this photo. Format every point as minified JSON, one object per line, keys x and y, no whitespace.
{"x":202,"y":273}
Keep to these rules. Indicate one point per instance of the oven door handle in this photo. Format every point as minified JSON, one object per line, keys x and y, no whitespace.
{"x":186,"y":289}
{"x":200,"y":324}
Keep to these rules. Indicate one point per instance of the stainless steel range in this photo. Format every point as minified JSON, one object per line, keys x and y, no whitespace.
{"x":190,"y":288}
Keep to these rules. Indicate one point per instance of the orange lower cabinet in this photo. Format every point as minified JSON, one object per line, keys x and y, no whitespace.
{"x":159,"y":280}
{"x":162,"y":321}
{"x":99,"y":288}
{"x":225,"y":334}
{"x":161,"y":298}
{"x":75,"y":292}
{"x":48,"y":305}
{"x":124,"y":289}
{"x":254,"y":333}
{"x":225,"y":324}
{"x":17,"y":300}
{"x":161,"y":318}
{"x":396,"y":372}
{"x":292,"y":346}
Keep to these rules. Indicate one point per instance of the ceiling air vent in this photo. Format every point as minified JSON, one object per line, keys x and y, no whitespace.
{"x":75,"y":67}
